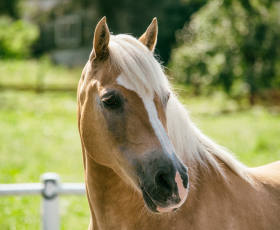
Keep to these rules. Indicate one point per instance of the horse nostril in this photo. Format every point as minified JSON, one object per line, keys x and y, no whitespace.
{"x":164,"y":181}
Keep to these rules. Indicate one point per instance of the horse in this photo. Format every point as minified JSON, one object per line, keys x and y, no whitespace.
{"x":146,"y":165}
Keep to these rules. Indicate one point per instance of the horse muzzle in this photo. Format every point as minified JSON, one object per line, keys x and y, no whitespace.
{"x":167,"y":189}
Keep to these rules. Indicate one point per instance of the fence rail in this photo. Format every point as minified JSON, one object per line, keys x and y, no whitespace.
{"x":50,"y":189}
{"x":37,"y":88}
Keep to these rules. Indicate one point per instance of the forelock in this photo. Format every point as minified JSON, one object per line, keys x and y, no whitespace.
{"x":137,"y":65}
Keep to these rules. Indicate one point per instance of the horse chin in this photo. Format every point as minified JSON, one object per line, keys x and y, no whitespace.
{"x":152,"y":207}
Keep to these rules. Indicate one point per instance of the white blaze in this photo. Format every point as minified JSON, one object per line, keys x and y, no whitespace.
{"x":153,"y":116}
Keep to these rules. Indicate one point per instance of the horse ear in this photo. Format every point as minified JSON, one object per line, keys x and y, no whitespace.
{"x":149,"y":38}
{"x":101,"y":41}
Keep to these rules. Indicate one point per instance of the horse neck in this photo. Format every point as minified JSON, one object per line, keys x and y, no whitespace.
{"x":110,"y":198}
{"x":205,"y":178}
{"x":213,"y":193}
{"x":115,"y":205}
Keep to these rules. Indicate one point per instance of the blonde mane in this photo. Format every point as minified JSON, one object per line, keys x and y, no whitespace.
{"x":140,"y":69}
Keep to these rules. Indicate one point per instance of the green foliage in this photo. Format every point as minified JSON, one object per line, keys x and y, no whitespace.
{"x":16,"y":38}
{"x":233,"y":44}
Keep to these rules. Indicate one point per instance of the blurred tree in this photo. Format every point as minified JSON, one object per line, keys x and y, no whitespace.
{"x":230,"y":43}
{"x":9,"y":8}
{"x":127,"y":16}
{"x":16,"y":38}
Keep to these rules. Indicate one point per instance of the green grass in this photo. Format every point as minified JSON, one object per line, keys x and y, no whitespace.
{"x":38,"y":134}
{"x":252,"y":135}
{"x":32,"y":73}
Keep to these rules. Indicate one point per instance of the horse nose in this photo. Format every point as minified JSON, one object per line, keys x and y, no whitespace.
{"x":165,"y":181}
{"x":171,"y":180}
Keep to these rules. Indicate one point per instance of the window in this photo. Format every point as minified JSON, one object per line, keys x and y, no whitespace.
{"x":68,"y":31}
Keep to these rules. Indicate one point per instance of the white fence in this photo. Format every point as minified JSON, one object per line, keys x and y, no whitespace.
{"x":50,"y":189}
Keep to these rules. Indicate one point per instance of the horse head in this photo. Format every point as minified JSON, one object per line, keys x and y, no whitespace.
{"x":123,"y":98}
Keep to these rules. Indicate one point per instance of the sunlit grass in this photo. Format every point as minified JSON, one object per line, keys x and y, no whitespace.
{"x":34,"y":73}
{"x":38,"y":134}
{"x":253,"y":135}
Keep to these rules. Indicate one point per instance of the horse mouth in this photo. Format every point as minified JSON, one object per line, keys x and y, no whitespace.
{"x":150,"y":204}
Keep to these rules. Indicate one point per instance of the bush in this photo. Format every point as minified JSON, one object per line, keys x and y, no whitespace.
{"x":231,"y":44}
{"x":16,"y":38}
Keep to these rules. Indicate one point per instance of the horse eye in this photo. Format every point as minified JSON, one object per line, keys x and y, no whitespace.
{"x":109,"y":100}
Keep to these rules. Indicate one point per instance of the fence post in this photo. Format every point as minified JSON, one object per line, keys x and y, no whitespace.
{"x":50,"y":212}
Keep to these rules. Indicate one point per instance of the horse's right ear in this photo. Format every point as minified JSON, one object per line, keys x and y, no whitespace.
{"x":149,"y":38}
{"x":101,"y":41}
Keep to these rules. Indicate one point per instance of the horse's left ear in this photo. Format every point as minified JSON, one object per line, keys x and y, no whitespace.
{"x":101,"y":41}
{"x":149,"y":38}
